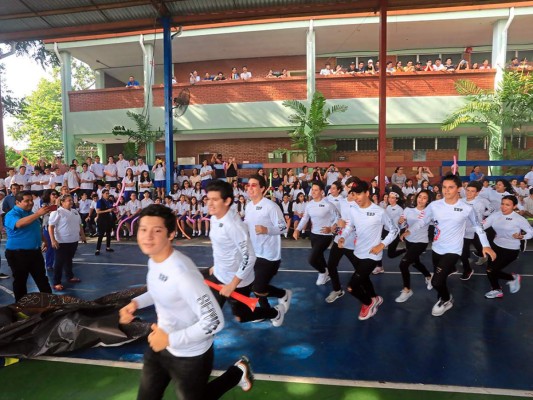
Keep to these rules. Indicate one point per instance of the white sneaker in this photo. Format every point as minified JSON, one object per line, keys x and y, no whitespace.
{"x":428,"y":282}
{"x":322,"y":278}
{"x":334,"y":295}
{"x":285,"y":301}
{"x":278,"y":320}
{"x":441,"y":307}
{"x":514,"y":285}
{"x":494,"y":294}
{"x":481,"y":260}
{"x":247,"y":379}
{"x":286,"y":234}
{"x":378,"y":270}
{"x":404,"y":296}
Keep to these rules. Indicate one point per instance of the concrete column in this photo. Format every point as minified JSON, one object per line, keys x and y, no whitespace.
{"x":99,"y":79}
{"x":102,"y":152}
{"x":311,"y":61}
{"x":148,"y":71}
{"x":463,"y":148}
{"x":66,"y":86}
{"x":499,"y":46}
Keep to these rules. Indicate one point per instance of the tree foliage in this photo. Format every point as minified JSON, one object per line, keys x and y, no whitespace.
{"x":309,"y":124}
{"x":143,"y":135}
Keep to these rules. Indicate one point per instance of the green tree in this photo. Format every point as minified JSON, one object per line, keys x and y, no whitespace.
{"x":40,"y":121}
{"x":309,"y":124}
{"x":510,"y":106}
{"x":142,"y":136}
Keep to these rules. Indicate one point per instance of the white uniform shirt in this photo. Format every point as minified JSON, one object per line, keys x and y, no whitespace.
{"x":450,"y":225}
{"x":122,"y":166}
{"x":368,"y":224}
{"x":349,"y":241}
{"x":266,"y":213}
{"x":394,"y":213}
{"x":299,"y":207}
{"x":159,"y":173}
{"x":84,"y":206}
{"x":133,"y":206}
{"x":88,"y":176}
{"x":48,"y":181}
{"x":36,"y":182}
{"x":336,"y":201}
{"x":321,"y":213}
{"x":186,"y":309}
{"x":182,"y":208}
{"x":233,"y":253}
{"x":113,"y":171}
{"x":67,"y":225}
{"x":71,"y":179}
{"x":506,"y":226}
{"x":412,"y":215}
{"x":479,"y":207}
{"x":98,"y":170}
{"x":204,"y":170}
{"x":146,"y":202}
{"x":21,"y":180}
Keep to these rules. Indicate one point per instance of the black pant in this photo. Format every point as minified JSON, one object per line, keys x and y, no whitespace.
{"x":64,"y":255}
{"x":104,"y":228}
{"x":240,"y":310}
{"x":360,"y":285}
{"x":412,"y":257}
{"x":444,"y":265}
{"x":265,"y":270}
{"x":24,"y":263}
{"x":504,"y":257}
{"x":392,"y":251}
{"x":465,"y":256}
{"x":335,"y":255}
{"x":190,"y":376}
{"x":319,"y":244}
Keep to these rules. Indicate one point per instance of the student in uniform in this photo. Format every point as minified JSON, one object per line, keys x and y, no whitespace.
{"x":265,"y":224}
{"x":188,"y":316}
{"x":510,"y":228}
{"x":322,"y":215}
{"x":449,"y":217}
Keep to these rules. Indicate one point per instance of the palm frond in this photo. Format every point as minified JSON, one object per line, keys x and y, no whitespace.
{"x":468,"y":88}
{"x":297,"y":106}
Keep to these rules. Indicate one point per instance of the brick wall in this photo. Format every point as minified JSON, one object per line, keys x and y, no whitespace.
{"x":105,"y":99}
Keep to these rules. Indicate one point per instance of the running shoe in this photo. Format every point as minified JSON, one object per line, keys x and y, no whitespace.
{"x":278,"y":320}
{"x":514,"y":285}
{"x":4,"y":276}
{"x":376,"y":302}
{"x":494,"y":294}
{"x":482,"y":260}
{"x":334,"y":295}
{"x":467,"y":275}
{"x":404,"y":296}
{"x":366,"y":311}
{"x":247,"y":380}
{"x":323,"y":278}
{"x":441,"y":307}
{"x":285,"y":301}
{"x":428,"y":282}
{"x":378,"y":270}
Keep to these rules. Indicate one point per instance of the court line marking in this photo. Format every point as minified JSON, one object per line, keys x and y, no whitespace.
{"x":4,"y":289}
{"x":317,"y":381}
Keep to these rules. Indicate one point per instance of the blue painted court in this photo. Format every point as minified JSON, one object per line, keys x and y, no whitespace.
{"x":480,"y":343}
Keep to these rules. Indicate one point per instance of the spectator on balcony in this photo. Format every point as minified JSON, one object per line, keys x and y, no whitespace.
{"x":234,"y":74}
{"x":245,"y":74}
{"x":484,"y":65}
{"x":439,"y":66}
{"x":475,"y":66}
{"x":208,"y":77}
{"x":132,"y":83}
{"x":409,"y":67}
{"x":429,"y":66}
{"x":326,"y":70}
{"x":514,"y":63}
{"x":376,"y":66}
{"x":174,"y":80}
{"x":418,"y":66}
{"x":390,"y":68}
{"x":370,"y":67}
{"x":449,"y":65}
{"x":352,"y":69}
{"x":524,"y":66}
{"x":284,"y":73}
{"x":463,"y":65}
{"x":361,"y":69}
{"x":220,"y":76}
{"x":338,"y":70}
{"x":194,"y":77}
{"x":270,"y":75}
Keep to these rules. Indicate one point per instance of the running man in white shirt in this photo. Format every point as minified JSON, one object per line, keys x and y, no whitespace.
{"x":368,"y":220}
{"x":266,"y":225}
{"x":510,"y":228}
{"x":323,"y":215}
{"x":234,"y":256}
{"x":449,"y":217}
{"x":188,"y":317}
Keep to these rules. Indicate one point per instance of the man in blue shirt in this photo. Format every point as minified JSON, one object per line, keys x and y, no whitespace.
{"x":132,"y":83}
{"x":23,"y":247}
{"x":9,"y":201}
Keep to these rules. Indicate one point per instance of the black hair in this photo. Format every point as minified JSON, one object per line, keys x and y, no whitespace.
{"x":475,"y":184}
{"x":360,"y":188}
{"x":159,"y":210}
{"x":512,"y":198}
{"x":20,"y":195}
{"x":352,"y":179}
{"x":260,"y":179}
{"x":224,"y":188}
{"x":320,"y":184}
{"x":427,"y":192}
{"x":508,"y":186}
{"x":46,"y":195}
{"x":454,"y":178}
{"x":338,"y":185}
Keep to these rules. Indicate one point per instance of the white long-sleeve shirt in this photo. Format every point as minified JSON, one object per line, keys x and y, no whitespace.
{"x":506,"y":226}
{"x":349,"y":241}
{"x":394,"y":213}
{"x":412,"y":215}
{"x":321,"y":213}
{"x":368,"y":224}
{"x":186,"y":309}
{"x":479,"y":204}
{"x":450,"y":225}
{"x":233,"y":253}
{"x":266,"y":213}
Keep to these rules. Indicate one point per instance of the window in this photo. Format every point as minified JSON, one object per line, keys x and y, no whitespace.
{"x":476,"y":143}
{"x":425,"y":144}
{"x":345,"y":145}
{"x":480,"y":57}
{"x":447,"y":143}
{"x":518,"y":142}
{"x":345,"y":61}
{"x":424,"y":57}
{"x":367,"y":144}
{"x":405,"y":58}
{"x":403,"y":144}
{"x":455,"y":58}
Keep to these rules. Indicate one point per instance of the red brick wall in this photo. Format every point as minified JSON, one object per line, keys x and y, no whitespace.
{"x":261,"y":89}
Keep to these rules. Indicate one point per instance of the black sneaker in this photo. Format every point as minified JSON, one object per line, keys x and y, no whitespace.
{"x":467,"y":275}
{"x":4,"y":276}
{"x":110,"y":250}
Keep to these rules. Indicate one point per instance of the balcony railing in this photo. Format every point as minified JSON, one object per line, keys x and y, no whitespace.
{"x":416,"y":84}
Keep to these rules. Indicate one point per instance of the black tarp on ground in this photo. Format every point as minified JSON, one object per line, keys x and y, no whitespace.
{"x":46,"y":324}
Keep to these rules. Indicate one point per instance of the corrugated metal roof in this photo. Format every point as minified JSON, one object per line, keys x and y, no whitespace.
{"x":46,"y":19}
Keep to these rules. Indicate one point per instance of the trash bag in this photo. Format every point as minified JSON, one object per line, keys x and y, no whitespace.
{"x":47,"y":324}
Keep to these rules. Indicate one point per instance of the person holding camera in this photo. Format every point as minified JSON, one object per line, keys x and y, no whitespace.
{"x":159,"y":170}
{"x":423,"y":174}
